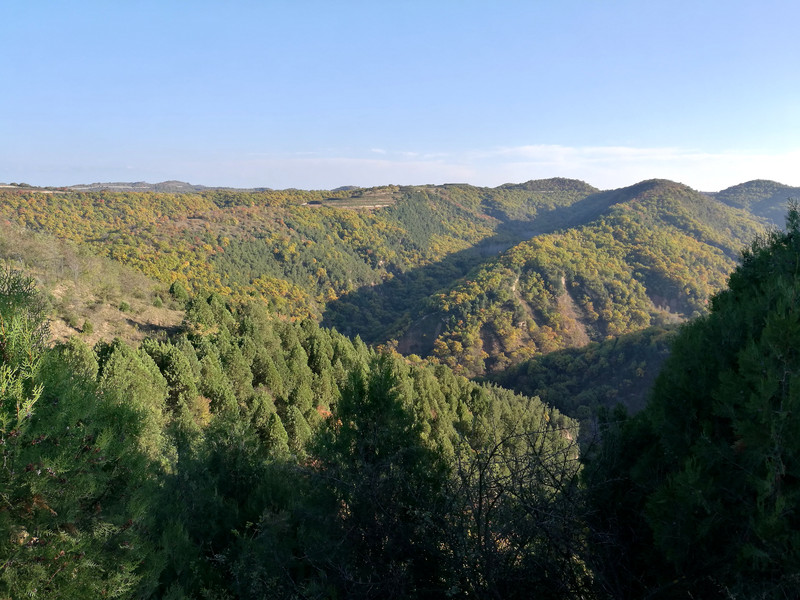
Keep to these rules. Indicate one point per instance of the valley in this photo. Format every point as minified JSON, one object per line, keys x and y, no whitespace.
{"x":399,"y":301}
{"x":260,"y":393}
{"x":479,"y":279}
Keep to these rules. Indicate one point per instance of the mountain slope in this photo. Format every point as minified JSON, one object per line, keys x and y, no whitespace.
{"x":767,"y":199}
{"x":655,"y":255}
{"x":84,"y":294}
{"x":299,"y":250}
{"x":479,"y":278}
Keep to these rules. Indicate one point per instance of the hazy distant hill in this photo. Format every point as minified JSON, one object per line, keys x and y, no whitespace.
{"x":763,"y":198}
{"x":142,"y":186}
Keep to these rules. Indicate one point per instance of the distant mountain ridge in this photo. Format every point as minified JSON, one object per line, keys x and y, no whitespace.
{"x":172,"y":186}
{"x":139,"y":186}
{"x":762,"y":197}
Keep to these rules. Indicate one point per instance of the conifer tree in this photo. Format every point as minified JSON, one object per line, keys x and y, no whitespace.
{"x":707,"y":476}
{"x":389,"y":483}
{"x":275,"y":436}
{"x":71,"y":466}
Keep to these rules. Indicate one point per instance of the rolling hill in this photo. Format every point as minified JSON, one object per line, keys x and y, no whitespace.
{"x":767,"y":199}
{"x":651,"y":253}
{"x":476,"y":278}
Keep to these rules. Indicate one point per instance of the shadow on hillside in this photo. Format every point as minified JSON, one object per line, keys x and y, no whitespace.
{"x":398,"y":307}
{"x":584,"y":382}
{"x":154,"y":330}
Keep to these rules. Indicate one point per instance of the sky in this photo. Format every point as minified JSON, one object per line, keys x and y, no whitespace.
{"x":321,"y":94}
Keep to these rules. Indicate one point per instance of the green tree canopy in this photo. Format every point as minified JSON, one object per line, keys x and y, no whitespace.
{"x":708,"y":475}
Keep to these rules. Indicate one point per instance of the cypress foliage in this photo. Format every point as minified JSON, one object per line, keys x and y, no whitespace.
{"x":73,"y":466}
{"x":708,"y":474}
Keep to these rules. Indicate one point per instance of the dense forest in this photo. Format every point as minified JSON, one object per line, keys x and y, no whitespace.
{"x":477,"y":278}
{"x":253,"y":457}
{"x":761,"y":197}
{"x":536,"y":390}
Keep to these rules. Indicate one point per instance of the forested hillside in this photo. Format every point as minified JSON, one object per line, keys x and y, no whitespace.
{"x":761,"y":197}
{"x":476,"y":278}
{"x":297,"y":249}
{"x":654,"y":254}
{"x":249,"y":456}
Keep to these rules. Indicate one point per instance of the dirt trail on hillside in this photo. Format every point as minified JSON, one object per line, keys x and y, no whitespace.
{"x":574,"y":329}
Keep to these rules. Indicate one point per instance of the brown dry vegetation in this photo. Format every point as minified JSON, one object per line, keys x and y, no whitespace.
{"x":80,"y":287}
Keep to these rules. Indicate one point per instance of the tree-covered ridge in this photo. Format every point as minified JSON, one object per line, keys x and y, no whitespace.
{"x":287,"y":246}
{"x":767,"y":199}
{"x":420,"y":270}
{"x":657,"y":254}
{"x":252,"y":457}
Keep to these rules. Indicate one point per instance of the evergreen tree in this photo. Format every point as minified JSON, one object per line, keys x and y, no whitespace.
{"x":389,"y":485}
{"x":215,"y":385}
{"x":297,"y":429}
{"x":708,"y":473}
{"x":71,"y":470}
{"x":178,"y":291}
{"x":275,"y":436}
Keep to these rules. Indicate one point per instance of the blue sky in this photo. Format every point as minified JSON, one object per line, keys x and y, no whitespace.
{"x":321,"y":94}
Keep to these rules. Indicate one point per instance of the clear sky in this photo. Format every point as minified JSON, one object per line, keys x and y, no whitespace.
{"x":319,"y":94}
